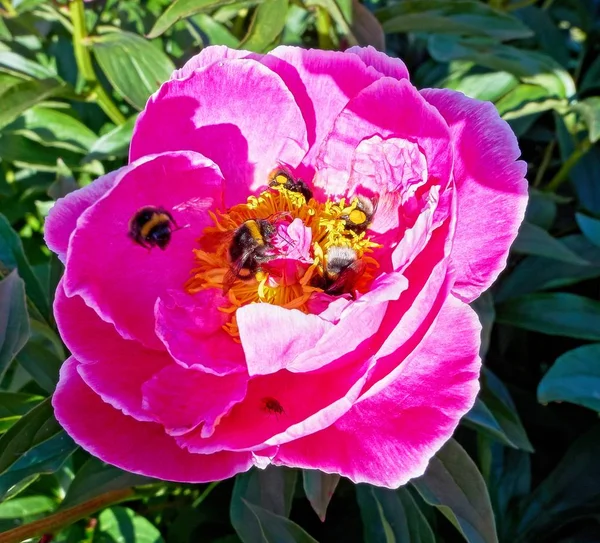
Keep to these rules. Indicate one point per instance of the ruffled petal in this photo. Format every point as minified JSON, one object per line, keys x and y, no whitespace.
{"x":407,"y":117}
{"x":322,"y":83}
{"x":209,"y":55}
{"x":283,"y":406}
{"x":62,"y":218}
{"x":491,"y":187}
{"x":273,"y":337}
{"x":384,"y":64}
{"x":389,"y":438}
{"x":113,"y":367}
{"x":181,"y":399}
{"x":139,"y":447}
{"x":191,"y":329}
{"x":122,"y":280}
{"x":237,"y":112}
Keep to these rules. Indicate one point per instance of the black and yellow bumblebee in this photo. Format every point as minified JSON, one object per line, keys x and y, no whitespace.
{"x":248,"y":249}
{"x":342,"y":270}
{"x":359,"y":219}
{"x":152,"y":227}
{"x":282,"y":177}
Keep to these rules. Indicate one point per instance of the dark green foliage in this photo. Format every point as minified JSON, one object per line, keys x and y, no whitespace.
{"x":73,"y":79}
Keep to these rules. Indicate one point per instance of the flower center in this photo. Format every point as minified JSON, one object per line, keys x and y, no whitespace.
{"x":283,"y":247}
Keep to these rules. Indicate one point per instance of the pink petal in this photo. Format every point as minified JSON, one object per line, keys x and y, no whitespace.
{"x":384,"y":64}
{"x":354,"y":337}
{"x":120,"y":279}
{"x":386,"y":109}
{"x":181,"y":399}
{"x":139,"y":447}
{"x":322,"y":83}
{"x":389,"y":438}
{"x":62,"y":218}
{"x":273,"y":337}
{"x":113,"y":367}
{"x":209,"y":55}
{"x":236,"y":112}
{"x":191,"y":329}
{"x":492,"y":189}
{"x":283,"y":406}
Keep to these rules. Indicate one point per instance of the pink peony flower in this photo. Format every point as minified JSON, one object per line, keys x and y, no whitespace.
{"x":223,"y":314}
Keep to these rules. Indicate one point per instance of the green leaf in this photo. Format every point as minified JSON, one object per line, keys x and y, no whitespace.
{"x":530,"y":66}
{"x":557,"y":313}
{"x":114,"y":144}
{"x":589,"y":109}
{"x":453,"y":484}
{"x":538,"y":273}
{"x":319,"y":488}
{"x":41,"y":362}
{"x":391,"y":516}
{"x":590,"y":227}
{"x":272,"y":489}
{"x":541,"y":209}
{"x":14,"y":321}
{"x":497,"y":400}
{"x":14,"y":63}
{"x":13,"y":257}
{"x":275,"y":528}
{"x":217,"y":33}
{"x":25,"y":507}
{"x":574,"y":377}
{"x":53,"y":127}
{"x":484,"y":307}
{"x":180,"y":9}
{"x":37,"y":426}
{"x":96,"y":478}
{"x":570,"y":491}
{"x":13,"y":405}
{"x":489,"y":85}
{"x":464,"y":17}
{"x":132,"y":64}
{"x":122,"y":525}
{"x":18,"y":95}
{"x":533,"y":240}
{"x":266,"y":26}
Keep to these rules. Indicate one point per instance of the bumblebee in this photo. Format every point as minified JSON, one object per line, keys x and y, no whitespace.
{"x":283,"y":178}
{"x":249,"y":249}
{"x":152,"y":227}
{"x":342,"y":270}
{"x":359,"y":219}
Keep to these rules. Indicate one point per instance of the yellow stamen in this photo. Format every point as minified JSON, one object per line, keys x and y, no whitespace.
{"x":213,"y":268}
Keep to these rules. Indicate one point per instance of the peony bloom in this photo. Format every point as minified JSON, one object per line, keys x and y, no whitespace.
{"x":222,"y":313}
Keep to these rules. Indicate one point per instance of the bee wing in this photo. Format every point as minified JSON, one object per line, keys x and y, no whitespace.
{"x":347,"y":278}
{"x":234,"y":270}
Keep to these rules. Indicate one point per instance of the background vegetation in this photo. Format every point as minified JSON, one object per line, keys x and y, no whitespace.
{"x":524,"y":466}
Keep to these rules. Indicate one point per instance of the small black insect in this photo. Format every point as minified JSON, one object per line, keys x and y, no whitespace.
{"x":272,"y":405}
{"x":152,"y":227}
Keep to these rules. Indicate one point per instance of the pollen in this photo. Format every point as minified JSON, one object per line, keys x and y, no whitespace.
{"x":270,"y":265}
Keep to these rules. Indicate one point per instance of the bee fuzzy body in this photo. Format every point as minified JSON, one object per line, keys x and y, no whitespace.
{"x":152,"y":227}
{"x":342,"y":270}
{"x":359,"y":219}
{"x":282,"y":177}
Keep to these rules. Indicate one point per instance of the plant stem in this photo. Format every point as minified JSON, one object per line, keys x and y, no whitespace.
{"x":545,"y":163}
{"x":64,"y":518}
{"x":204,"y":494}
{"x":563,"y":174}
{"x":84,"y":64}
{"x":323,"y":26}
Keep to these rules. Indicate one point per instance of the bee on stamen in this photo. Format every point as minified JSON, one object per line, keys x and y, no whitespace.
{"x":152,"y":227}
{"x":342,"y":270}
{"x":283,"y":178}
{"x":249,"y":248}
{"x":359,"y":219}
